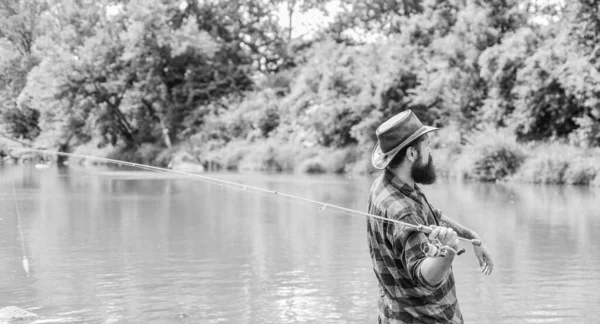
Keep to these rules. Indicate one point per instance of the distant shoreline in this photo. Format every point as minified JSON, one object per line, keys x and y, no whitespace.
{"x":495,"y":159}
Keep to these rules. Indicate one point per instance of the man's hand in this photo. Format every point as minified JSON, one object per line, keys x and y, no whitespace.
{"x":434,"y":270}
{"x":446,"y":236}
{"x":484,"y":257}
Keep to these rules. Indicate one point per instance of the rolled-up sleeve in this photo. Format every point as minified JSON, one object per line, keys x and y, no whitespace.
{"x":437,"y":213}
{"x":406,"y":243}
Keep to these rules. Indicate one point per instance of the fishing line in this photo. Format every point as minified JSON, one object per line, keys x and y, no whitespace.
{"x":25,"y":260}
{"x":243,"y":187}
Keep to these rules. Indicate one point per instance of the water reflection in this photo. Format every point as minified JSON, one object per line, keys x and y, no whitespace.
{"x":116,"y":245}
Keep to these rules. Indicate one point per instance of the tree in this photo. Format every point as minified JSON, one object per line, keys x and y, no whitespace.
{"x":18,"y":31}
{"x":132,"y":76}
{"x":372,"y":18}
{"x":543,"y":79}
{"x":586,"y":32}
{"x":453,"y":39}
{"x":18,"y":23}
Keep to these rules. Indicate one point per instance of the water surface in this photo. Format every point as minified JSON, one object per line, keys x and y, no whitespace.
{"x":118,"y":246}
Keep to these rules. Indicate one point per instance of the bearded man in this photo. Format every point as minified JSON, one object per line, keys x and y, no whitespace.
{"x":413,"y":288}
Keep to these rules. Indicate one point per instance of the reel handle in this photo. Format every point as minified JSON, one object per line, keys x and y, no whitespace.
{"x":434,"y":250}
{"x":428,"y":229}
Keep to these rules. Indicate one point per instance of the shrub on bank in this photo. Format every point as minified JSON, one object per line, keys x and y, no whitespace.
{"x":230,"y":157}
{"x":91,"y":149}
{"x":543,"y":169}
{"x":267,"y":157}
{"x":312,"y":166}
{"x":581,"y":171}
{"x":270,"y":155}
{"x":4,"y":145}
{"x":362,"y":166}
{"x":330,"y":161}
{"x":146,"y":153}
{"x":341,"y":160}
{"x":560,"y":164}
{"x":491,"y":155}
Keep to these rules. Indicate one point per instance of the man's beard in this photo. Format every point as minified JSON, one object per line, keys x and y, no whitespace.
{"x":423,"y":174}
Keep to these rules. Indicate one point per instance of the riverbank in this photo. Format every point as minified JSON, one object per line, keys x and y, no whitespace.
{"x":489,"y":155}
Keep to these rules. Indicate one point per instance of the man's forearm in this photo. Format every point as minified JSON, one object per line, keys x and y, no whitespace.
{"x":434,"y":270}
{"x":460,"y":230}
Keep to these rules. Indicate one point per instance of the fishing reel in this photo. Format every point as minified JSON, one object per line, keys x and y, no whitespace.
{"x":435,"y":249}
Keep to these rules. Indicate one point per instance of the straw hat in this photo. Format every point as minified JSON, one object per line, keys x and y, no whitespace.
{"x":395,"y":134}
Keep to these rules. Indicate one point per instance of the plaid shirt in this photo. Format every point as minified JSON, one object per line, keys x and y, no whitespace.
{"x":404,"y":296}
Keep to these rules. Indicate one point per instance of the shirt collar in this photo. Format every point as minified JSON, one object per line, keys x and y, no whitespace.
{"x":404,"y":187}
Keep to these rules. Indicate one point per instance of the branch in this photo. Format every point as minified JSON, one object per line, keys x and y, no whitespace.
{"x":14,"y":140}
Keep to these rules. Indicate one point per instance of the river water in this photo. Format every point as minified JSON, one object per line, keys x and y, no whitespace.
{"x":119,"y":246}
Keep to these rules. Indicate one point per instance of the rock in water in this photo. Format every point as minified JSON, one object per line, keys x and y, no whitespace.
{"x":12,"y":313}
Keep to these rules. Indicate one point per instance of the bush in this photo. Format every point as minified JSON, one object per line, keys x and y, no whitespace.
{"x":165,"y":156}
{"x":492,"y":155}
{"x":4,"y":148}
{"x":146,"y":153}
{"x":362,"y":166}
{"x":560,"y":164}
{"x":587,"y":134}
{"x":496,"y":163}
{"x":230,"y":157}
{"x":581,"y":171}
{"x":267,"y":156}
{"x":312,"y":166}
{"x":340,"y":161}
{"x":91,"y":149}
{"x":329,"y":161}
{"x":544,"y":168}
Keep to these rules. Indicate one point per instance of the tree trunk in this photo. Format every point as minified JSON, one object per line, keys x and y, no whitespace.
{"x":123,"y":125}
{"x":163,"y":127}
{"x":165,"y":132}
{"x":291,"y":7}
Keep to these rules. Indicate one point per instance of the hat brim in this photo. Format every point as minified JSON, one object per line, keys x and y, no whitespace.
{"x":380,"y":160}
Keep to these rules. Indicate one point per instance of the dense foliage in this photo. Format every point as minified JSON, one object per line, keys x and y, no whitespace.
{"x":226,"y":79}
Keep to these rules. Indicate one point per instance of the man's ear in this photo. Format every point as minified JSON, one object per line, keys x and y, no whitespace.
{"x":411,"y":154}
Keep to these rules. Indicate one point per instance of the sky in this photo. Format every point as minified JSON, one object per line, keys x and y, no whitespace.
{"x":544,"y":20}
{"x":310,"y":21}
{"x":303,"y":23}
{"x":306,"y":23}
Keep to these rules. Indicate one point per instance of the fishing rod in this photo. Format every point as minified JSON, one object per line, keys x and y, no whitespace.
{"x":433,"y":248}
{"x":25,"y":260}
